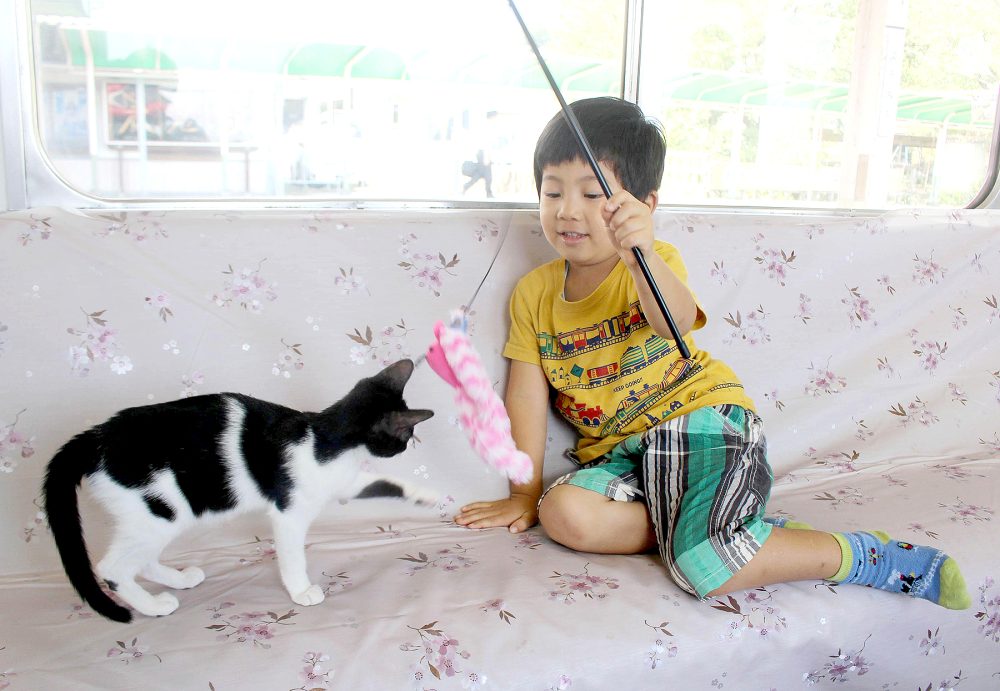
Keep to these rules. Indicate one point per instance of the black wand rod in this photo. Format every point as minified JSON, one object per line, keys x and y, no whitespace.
{"x":588,"y":153}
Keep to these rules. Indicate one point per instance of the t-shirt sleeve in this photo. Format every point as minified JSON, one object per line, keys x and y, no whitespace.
{"x":522,"y":342}
{"x":672,"y":257}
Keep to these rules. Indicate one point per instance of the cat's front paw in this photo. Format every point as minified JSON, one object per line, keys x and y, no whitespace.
{"x":313,"y":596}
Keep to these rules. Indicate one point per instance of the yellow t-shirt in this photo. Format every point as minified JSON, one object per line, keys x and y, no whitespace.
{"x":614,"y":375}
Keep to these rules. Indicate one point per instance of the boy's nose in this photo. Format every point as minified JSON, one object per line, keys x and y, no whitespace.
{"x":569,"y":209}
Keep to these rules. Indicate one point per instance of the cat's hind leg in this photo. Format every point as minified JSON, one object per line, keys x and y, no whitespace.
{"x":127,"y":556}
{"x":167,"y":521}
{"x":178,"y":579}
{"x":138,"y":540}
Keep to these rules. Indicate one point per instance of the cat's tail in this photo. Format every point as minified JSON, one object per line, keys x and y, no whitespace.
{"x":78,"y":458}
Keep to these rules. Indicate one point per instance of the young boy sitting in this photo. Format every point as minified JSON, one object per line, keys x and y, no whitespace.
{"x":672,"y":454}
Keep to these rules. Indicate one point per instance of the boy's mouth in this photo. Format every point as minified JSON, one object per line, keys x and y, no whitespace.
{"x":569,"y":236}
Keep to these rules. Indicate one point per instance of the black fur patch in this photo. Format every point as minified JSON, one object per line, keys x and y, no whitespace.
{"x":158,"y":507}
{"x":381,"y":488}
{"x":180,"y":436}
{"x":267,"y":429}
{"x":373,"y":413}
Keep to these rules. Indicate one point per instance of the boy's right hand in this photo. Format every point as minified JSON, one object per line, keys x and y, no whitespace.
{"x":516,"y":513}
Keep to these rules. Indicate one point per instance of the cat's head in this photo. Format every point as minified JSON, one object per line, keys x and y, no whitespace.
{"x":389,"y":425}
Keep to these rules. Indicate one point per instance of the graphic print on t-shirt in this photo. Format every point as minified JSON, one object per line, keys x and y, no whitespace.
{"x":604,"y":362}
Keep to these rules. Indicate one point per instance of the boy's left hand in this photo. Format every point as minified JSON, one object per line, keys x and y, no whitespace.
{"x":630,"y":224}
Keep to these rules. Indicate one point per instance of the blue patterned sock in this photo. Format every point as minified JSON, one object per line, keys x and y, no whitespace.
{"x":874,"y":559}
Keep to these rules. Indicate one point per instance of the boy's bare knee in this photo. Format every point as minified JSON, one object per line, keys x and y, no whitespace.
{"x":562,"y":513}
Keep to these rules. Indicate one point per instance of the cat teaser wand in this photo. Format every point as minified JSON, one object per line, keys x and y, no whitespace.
{"x":588,"y":153}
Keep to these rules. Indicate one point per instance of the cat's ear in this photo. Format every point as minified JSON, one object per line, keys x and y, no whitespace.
{"x":396,"y":375}
{"x":402,"y":422}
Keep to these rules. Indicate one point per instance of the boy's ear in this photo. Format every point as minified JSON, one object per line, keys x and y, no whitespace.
{"x":651,"y":200}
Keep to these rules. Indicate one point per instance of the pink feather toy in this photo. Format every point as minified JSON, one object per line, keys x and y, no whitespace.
{"x":481,"y":411}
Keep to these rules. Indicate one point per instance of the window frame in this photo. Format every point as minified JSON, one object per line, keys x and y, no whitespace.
{"x":29,"y":179}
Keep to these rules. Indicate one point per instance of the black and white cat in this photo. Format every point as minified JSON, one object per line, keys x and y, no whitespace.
{"x":160,"y":469}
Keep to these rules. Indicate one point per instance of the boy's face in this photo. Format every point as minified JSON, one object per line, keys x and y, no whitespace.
{"x":570,"y":206}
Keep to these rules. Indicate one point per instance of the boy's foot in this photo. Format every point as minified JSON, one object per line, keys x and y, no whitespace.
{"x":874,"y":559}
{"x":782,"y":522}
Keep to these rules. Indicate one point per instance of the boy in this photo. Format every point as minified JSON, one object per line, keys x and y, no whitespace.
{"x":672,"y":453}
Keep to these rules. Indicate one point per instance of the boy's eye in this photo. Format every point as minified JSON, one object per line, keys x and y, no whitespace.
{"x":594,"y":195}
{"x":551,"y":195}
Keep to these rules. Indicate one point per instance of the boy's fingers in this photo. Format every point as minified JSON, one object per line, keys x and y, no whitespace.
{"x":476,"y":505}
{"x":469,"y":516}
{"x":493,"y":519}
{"x":618,"y":199}
{"x":487,"y":522}
{"x":519,"y":525}
{"x":468,"y":522}
{"x":624,"y":216}
{"x":633,"y":239}
{"x":476,"y":516}
{"x":614,"y":207}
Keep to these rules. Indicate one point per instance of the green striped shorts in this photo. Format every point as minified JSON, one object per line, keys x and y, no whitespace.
{"x":706,"y":481}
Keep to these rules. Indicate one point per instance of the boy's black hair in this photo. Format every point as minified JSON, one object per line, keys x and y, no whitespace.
{"x":620,"y":136}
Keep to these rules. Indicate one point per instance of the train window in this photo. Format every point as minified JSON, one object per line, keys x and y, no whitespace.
{"x":382,"y":99}
{"x":811,"y":103}
{"x":823,"y":103}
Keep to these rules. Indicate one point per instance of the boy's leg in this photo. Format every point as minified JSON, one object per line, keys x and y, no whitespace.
{"x":787,"y":555}
{"x":707,"y":485}
{"x":872,"y":559}
{"x":707,"y":481}
{"x":599,"y":508}
{"x":587,"y":521}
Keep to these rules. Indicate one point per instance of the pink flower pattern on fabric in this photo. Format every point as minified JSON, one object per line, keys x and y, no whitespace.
{"x":98,"y":343}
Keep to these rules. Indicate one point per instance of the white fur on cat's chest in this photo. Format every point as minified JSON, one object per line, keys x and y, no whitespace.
{"x":311,"y":481}
{"x":319,"y":482}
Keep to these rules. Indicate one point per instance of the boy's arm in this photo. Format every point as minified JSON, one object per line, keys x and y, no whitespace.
{"x":526,"y":400}
{"x":679,"y":300}
{"x":631,"y":224}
